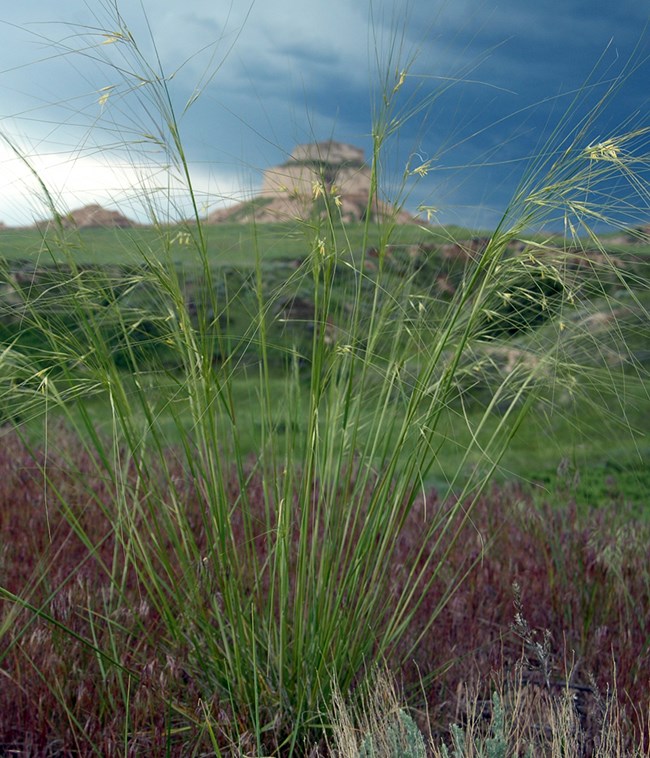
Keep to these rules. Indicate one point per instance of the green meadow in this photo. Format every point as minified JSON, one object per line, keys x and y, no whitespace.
{"x":228,"y":244}
{"x":602,"y":438}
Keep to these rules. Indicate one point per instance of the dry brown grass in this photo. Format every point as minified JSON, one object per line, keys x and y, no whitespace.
{"x":584,"y":578}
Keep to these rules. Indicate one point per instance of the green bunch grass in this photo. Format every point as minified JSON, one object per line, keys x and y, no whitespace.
{"x":346,"y":432}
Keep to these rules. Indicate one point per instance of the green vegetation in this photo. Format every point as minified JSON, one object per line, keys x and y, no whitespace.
{"x":220,"y":445}
{"x":606,"y":462}
{"x":227,"y":244}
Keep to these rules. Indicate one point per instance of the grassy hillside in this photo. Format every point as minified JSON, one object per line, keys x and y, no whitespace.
{"x":608,"y":458}
{"x":227,"y":244}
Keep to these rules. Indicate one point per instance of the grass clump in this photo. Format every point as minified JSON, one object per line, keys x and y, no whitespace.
{"x":110,"y":661}
{"x":195,"y":597}
{"x":380,"y":726}
{"x":493,"y":746}
{"x":519,"y":721}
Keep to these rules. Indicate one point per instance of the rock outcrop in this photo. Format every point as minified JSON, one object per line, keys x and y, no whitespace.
{"x":94,"y":216}
{"x":315,"y":176}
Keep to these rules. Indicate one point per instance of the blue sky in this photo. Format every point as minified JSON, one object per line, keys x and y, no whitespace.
{"x":496,"y":79}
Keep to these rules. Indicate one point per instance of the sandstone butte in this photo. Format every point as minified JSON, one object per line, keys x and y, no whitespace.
{"x":295,"y":189}
{"x":92,"y":216}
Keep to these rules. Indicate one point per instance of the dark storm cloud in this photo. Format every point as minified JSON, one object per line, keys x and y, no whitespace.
{"x":287,"y":71}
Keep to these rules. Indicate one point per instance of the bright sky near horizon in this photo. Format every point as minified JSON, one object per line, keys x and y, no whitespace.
{"x":498,"y":78}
